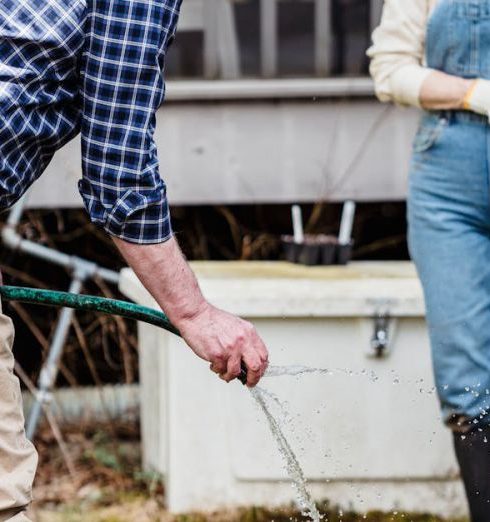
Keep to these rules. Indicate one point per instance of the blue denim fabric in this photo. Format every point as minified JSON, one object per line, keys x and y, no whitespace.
{"x":94,"y":66}
{"x":449,"y":217}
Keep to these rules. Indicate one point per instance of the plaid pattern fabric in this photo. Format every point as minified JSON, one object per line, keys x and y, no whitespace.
{"x":97,"y":67}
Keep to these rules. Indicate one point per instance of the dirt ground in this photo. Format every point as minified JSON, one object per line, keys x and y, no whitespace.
{"x":148,"y":511}
{"x":93,"y":474}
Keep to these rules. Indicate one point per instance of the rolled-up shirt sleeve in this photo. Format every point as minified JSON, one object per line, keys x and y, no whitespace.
{"x":398,"y":51}
{"x":122,"y":88}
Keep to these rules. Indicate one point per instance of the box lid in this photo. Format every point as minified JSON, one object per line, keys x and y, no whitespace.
{"x":277,"y":289}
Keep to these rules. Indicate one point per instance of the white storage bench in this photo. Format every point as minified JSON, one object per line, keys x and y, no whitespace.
{"x":369,"y":435}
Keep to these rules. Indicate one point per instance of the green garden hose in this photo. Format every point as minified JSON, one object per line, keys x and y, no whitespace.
{"x":94,"y":304}
{"x":88,"y":303}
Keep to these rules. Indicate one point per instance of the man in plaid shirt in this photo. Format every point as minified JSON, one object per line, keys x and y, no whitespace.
{"x":96,"y":67}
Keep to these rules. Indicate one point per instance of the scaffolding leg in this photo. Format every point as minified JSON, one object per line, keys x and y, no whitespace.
{"x":49,"y":371}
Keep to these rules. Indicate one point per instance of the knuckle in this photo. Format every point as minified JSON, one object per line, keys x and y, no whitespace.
{"x":219,"y":366}
{"x":250,"y":328}
{"x":221,"y":354}
{"x":240,"y":338}
{"x":230,"y":346}
{"x":216,"y":355}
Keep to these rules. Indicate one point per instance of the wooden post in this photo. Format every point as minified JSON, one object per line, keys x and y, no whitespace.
{"x":211,"y":39}
{"x":376,"y":10}
{"x":323,"y":40}
{"x":228,"y":49}
{"x":268,"y":37}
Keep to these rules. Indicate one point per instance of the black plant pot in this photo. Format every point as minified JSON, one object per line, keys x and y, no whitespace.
{"x":344,"y":253}
{"x":316,"y":250}
{"x":310,"y":255}
{"x":328,"y":253}
{"x":291,"y":249}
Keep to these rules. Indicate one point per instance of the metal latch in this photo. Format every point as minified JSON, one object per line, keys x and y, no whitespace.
{"x":380,"y":339}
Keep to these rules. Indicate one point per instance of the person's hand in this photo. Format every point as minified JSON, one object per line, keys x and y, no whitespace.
{"x":218,"y":337}
{"x":477,"y":98}
{"x":226,"y":341}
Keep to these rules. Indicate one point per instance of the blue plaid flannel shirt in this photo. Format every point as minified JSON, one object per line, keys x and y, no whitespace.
{"x":95,"y":67}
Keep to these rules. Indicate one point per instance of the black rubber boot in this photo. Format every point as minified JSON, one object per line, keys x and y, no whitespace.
{"x":473,"y":454}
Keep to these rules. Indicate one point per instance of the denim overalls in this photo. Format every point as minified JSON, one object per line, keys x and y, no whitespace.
{"x":449,"y":217}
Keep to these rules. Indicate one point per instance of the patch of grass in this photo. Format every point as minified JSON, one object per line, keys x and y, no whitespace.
{"x":291,"y":515}
{"x":143,"y":510}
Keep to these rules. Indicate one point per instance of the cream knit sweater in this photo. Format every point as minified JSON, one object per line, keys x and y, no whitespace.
{"x":398,"y":50}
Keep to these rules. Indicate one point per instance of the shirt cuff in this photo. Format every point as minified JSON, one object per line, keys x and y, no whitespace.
{"x":406,"y":84}
{"x":136,"y":217}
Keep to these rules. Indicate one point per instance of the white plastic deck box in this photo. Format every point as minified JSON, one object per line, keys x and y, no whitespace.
{"x":368,"y":435}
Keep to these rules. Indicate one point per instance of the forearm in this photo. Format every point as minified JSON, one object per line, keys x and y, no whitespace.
{"x":164,"y":272}
{"x":226,"y":341}
{"x":441,"y":91}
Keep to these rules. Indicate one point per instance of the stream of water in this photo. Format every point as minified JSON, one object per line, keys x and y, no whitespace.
{"x":266,"y":400}
{"x":293,"y":467}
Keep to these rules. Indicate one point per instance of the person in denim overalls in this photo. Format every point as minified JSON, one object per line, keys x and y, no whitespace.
{"x":449,"y":211}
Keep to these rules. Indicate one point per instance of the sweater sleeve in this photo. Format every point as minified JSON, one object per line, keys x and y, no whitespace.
{"x":398,"y":50}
